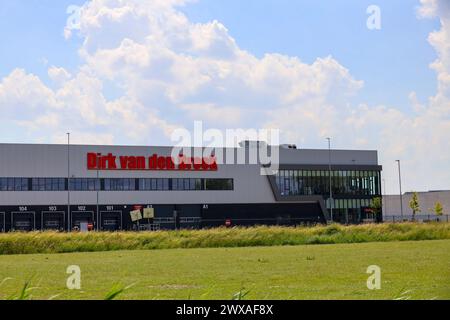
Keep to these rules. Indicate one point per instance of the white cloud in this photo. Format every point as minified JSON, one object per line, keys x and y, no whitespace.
{"x":168,"y":71}
{"x":419,"y":136}
{"x":21,"y":90}
{"x":59,"y":75}
{"x":217,"y":116}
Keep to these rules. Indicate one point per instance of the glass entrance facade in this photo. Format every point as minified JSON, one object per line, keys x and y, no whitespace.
{"x":352,"y":190}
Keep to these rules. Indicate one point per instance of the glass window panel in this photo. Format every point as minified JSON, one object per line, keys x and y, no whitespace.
{"x":17,"y":184}
{"x":191,"y":184}
{"x":54,"y":183}
{"x":91,"y":184}
{"x":25,"y":184}
{"x":62,"y":184}
{"x":107,"y":184}
{"x":199,"y":184}
{"x":219,"y":184}
{"x":48,"y":184}
{"x":174,"y":184}
{"x":35,"y":184}
{"x":154,"y":184}
{"x":10,"y":184}
{"x":3,"y":184}
{"x":166,"y":184}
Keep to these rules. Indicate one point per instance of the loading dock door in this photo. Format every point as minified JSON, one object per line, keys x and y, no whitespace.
{"x":53,"y":220}
{"x":23,"y":221}
{"x":82,"y":216}
{"x":111,"y":220}
{"x":2,"y":222}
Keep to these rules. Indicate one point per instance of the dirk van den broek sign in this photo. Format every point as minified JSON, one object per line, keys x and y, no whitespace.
{"x":98,"y":161}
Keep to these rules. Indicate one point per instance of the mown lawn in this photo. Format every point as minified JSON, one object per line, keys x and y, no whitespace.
{"x":414,"y":270}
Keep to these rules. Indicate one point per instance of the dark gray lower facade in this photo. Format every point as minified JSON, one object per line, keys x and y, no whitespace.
{"x":117,"y":217}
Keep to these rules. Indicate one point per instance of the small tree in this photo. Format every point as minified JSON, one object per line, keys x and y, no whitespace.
{"x":414,"y":204}
{"x":438,"y":210}
{"x":376,"y":206}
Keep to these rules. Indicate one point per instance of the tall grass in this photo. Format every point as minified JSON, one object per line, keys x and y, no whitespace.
{"x":116,"y":290}
{"x":52,"y":242}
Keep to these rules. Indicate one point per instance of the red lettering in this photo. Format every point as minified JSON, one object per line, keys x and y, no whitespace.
{"x":153,"y":162}
{"x":140,"y":163}
{"x":197,"y":164}
{"x":170,"y":165}
{"x":185,"y":164}
{"x":111,"y":162}
{"x":97,"y":161}
{"x":161,"y":163}
{"x":205,"y":165}
{"x":92,"y":161}
{"x":123,"y":163}
{"x":132,"y":163}
{"x":213,"y":165}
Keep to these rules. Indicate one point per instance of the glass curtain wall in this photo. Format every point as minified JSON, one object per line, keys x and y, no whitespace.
{"x":353,"y":190}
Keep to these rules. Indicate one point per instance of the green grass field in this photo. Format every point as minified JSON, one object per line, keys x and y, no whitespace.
{"x":410,"y":270}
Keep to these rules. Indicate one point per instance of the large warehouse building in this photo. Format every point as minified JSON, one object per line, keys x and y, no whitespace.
{"x":427,"y":203}
{"x":102,"y":184}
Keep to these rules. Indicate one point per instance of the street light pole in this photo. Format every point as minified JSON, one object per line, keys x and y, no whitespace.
{"x":400,"y":185}
{"x":329,"y":174}
{"x":69,"y":227}
{"x":384,"y":197}
{"x":97,"y":187}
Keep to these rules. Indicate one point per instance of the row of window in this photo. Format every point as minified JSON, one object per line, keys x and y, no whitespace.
{"x":317,"y":182}
{"x":115,"y":184}
{"x":349,"y":203}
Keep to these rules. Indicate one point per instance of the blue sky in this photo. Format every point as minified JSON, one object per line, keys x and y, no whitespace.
{"x":32,"y":33}
{"x":392,"y":61}
{"x":104,"y":80}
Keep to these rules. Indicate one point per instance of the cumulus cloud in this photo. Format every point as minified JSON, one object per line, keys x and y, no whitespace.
{"x":418,"y":136}
{"x":58,"y":75}
{"x":166,"y":71}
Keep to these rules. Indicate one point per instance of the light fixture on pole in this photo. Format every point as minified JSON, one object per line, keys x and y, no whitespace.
{"x":400,"y":185}
{"x":329,"y":175}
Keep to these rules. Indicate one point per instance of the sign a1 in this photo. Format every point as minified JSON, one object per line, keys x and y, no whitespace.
{"x":98,"y":161}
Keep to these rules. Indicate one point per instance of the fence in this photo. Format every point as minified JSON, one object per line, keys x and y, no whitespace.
{"x":199,"y":223}
{"x":417,"y":218}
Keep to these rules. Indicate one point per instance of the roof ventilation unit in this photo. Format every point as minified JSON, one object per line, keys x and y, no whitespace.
{"x":288,"y":146}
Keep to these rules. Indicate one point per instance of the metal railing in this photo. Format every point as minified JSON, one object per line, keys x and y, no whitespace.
{"x":417,"y":218}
